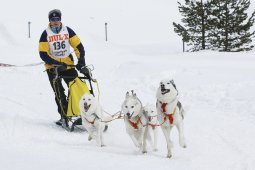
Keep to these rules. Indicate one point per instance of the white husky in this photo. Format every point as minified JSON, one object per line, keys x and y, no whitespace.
{"x":91,"y":114}
{"x":152,"y":123}
{"x":170,"y":112}
{"x":134,"y":119}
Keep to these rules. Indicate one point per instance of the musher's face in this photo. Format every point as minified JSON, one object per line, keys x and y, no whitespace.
{"x":55,"y":21}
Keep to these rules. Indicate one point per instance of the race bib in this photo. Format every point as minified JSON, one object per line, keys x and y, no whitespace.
{"x":59,"y":43}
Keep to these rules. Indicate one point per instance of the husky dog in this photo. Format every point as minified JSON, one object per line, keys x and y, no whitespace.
{"x":170,"y":112}
{"x":134,"y":119}
{"x":152,"y":123}
{"x":91,"y":114}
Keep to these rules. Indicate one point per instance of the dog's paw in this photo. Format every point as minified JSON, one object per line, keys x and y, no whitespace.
{"x":183,"y":145}
{"x":89,"y":138}
{"x":169,"y":156}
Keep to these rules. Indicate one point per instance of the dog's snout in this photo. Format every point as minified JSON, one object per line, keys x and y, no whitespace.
{"x":149,"y":118}
{"x":162,"y":86}
{"x":85,"y":104}
{"x":128,"y":114}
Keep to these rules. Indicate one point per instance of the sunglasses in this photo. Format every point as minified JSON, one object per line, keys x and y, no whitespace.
{"x":55,"y":19}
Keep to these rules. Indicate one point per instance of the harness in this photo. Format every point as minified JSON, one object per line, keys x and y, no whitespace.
{"x":167,"y":116}
{"x":135,"y":124}
{"x":91,"y":122}
{"x":152,"y":125}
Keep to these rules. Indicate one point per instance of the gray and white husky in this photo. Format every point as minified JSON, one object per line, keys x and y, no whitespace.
{"x":170,"y":112}
{"x":135,"y":120}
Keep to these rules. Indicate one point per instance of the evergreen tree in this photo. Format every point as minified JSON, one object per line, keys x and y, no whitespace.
{"x":195,"y":20}
{"x":230,"y":25}
{"x":221,"y":25}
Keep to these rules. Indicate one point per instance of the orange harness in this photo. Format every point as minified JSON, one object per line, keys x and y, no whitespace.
{"x":169,"y":116}
{"x":134,"y":124}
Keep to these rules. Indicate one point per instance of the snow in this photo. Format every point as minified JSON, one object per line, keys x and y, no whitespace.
{"x":217,"y":87}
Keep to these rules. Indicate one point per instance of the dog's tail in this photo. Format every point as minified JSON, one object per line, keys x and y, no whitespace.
{"x":184,"y":110}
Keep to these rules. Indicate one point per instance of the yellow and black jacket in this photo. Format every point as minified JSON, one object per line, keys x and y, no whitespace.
{"x":54,"y":48}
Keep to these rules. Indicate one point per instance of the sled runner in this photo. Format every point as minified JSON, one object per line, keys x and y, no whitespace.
{"x":76,"y":89}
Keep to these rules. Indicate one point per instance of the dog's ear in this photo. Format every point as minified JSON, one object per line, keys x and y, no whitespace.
{"x":133,"y":93}
{"x":172,"y":82}
{"x":145,"y":113}
{"x":144,"y":110}
{"x":127,"y":94}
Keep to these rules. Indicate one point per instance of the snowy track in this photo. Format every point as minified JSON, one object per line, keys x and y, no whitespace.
{"x":218,"y":126}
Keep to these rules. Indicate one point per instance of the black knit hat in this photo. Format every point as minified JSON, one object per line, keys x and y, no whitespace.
{"x":54,"y":13}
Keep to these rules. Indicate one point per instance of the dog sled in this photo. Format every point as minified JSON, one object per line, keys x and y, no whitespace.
{"x":76,"y":89}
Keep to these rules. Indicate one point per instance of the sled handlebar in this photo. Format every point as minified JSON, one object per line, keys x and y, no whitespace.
{"x":88,"y":76}
{"x":90,"y":67}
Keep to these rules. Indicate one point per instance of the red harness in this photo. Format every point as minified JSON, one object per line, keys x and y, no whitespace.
{"x":169,"y":116}
{"x":92,"y":121}
{"x":135,"y":124}
{"x":152,"y":125}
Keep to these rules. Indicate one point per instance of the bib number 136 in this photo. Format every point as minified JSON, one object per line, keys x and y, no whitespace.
{"x":59,"y":45}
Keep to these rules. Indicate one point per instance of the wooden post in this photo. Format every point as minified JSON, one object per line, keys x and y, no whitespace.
{"x":105,"y":31}
{"x":183,"y":46}
{"x":29,"y":29}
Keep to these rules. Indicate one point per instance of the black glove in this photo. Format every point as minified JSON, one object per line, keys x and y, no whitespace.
{"x":84,"y":70}
{"x":80,"y":64}
{"x":61,"y":67}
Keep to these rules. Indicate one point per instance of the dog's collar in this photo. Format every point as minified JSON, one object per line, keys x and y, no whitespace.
{"x":163,"y":108}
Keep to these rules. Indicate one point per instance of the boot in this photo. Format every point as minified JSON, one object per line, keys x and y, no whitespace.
{"x":59,"y":122}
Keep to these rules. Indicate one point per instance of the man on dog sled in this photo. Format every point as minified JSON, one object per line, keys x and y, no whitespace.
{"x":54,"y":50}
